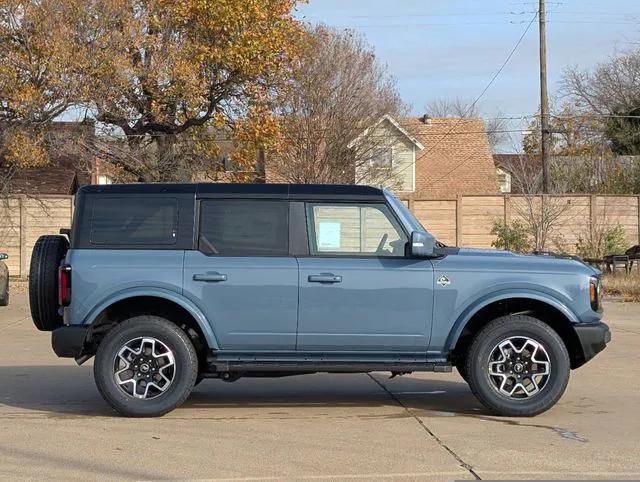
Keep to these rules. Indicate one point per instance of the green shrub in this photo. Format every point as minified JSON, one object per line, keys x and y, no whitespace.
{"x":605,"y":241}
{"x":514,"y":237}
{"x":615,"y":241}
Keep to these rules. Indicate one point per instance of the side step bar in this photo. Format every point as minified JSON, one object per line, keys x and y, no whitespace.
{"x":219,"y":366}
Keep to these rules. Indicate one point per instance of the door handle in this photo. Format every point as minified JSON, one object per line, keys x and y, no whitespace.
{"x":210,"y":277}
{"x":324,"y":278}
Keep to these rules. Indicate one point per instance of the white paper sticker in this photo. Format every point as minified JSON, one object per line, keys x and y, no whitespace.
{"x":328,"y":235}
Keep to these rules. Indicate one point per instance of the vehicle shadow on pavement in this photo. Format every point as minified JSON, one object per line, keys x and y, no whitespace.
{"x":69,"y":391}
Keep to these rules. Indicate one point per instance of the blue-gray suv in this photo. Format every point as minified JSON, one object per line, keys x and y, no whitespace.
{"x":169,"y":284}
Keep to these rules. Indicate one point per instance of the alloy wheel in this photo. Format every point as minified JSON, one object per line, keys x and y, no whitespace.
{"x":519,"y":367}
{"x":144,"y":367}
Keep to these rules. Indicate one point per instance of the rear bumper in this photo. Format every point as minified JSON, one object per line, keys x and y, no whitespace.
{"x":68,"y":341}
{"x":593,"y":338}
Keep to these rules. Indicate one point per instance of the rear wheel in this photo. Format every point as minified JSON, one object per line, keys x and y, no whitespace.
{"x":517,"y":366}
{"x":145,"y":367}
{"x":47,"y":254}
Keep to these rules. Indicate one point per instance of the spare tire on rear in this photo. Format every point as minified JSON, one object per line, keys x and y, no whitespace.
{"x":43,"y":281}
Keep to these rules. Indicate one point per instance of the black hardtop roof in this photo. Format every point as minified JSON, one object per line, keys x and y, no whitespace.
{"x":287,"y":191}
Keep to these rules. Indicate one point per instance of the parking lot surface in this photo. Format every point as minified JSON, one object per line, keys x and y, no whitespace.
{"x":319,"y":427}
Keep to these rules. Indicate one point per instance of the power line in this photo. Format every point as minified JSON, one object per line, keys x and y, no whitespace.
{"x":301,"y":137}
{"x":484,"y":91}
{"x":460,"y":120}
{"x":511,"y":22}
{"x":485,"y":14}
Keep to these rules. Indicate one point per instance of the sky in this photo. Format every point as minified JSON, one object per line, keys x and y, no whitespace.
{"x":443,"y":49}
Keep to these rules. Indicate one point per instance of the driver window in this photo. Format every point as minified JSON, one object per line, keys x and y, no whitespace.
{"x":354,"y":230}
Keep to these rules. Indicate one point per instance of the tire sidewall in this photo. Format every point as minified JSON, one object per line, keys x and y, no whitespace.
{"x":48,"y":252}
{"x":186,"y":363}
{"x":480,"y":381}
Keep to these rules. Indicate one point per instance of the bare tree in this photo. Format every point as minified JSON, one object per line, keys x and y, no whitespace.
{"x":338,"y":90}
{"x":541,"y":214}
{"x":611,"y":90}
{"x":461,"y":108}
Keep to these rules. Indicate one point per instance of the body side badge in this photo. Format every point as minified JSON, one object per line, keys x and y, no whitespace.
{"x":443,"y":281}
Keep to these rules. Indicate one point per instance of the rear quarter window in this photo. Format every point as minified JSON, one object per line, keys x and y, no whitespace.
{"x":244,"y":228}
{"x":134,"y":221}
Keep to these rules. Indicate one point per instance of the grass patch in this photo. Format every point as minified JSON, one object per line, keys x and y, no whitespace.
{"x":625,"y":286}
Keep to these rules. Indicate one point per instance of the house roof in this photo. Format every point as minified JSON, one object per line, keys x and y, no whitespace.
{"x":60,"y":176}
{"x":395,"y":124}
{"x":456,"y":158}
{"x":68,"y":165}
{"x":507,"y":161}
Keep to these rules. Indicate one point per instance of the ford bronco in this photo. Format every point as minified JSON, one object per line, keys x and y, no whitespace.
{"x":169,"y":284}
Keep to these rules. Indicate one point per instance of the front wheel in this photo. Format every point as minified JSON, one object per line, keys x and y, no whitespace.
{"x":145,"y":367}
{"x":517,"y":366}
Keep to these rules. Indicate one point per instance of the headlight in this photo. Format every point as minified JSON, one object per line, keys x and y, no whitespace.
{"x":595,"y":293}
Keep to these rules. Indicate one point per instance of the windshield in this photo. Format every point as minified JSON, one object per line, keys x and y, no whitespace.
{"x":403,"y":212}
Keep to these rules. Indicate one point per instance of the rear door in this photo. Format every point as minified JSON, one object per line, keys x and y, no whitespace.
{"x":358,"y":291}
{"x":242,"y":275}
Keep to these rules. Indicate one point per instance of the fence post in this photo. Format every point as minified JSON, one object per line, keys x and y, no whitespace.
{"x":507,"y":210}
{"x":593,"y":216}
{"x":22,"y":198}
{"x":459,"y":220}
{"x":638,"y":207}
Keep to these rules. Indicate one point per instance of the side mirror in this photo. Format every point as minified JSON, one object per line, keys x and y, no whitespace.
{"x":421,"y":245}
{"x":3,"y":256}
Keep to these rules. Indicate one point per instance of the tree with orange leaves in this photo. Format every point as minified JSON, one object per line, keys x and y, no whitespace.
{"x":157,"y":75}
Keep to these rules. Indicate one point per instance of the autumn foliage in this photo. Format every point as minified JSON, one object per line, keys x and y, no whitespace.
{"x":159,"y":76}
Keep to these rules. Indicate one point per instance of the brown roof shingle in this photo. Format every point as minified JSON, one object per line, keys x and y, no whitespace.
{"x":456,"y":159}
{"x":60,"y":176}
{"x":69,"y":163}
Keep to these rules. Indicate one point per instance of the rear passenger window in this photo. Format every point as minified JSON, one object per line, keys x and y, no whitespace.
{"x":244,"y":228}
{"x":134,"y":221}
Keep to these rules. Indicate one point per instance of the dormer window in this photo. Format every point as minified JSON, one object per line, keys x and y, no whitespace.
{"x":382,"y":158}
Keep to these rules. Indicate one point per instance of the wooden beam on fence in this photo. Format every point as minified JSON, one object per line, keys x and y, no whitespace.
{"x":459,"y":220}
{"x":23,"y":270}
{"x":507,"y":210}
{"x":593,"y":216}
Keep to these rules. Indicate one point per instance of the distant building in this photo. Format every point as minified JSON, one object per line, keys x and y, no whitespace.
{"x":437,"y":157}
{"x":70,"y":164}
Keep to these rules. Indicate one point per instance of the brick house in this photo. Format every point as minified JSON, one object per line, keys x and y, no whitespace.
{"x":436,"y":157}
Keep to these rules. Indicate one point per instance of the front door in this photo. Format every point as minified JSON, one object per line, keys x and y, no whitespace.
{"x":358,"y":291}
{"x":242,"y":276}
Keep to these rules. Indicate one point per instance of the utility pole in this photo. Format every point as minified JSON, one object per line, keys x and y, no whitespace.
{"x":545,"y":145}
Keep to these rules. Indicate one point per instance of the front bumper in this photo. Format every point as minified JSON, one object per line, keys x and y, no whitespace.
{"x":593,"y":338}
{"x":68,"y":341}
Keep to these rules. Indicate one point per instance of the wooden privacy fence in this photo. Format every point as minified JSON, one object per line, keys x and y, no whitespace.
{"x":23,"y":219}
{"x":468,"y":220}
{"x":464,"y":221}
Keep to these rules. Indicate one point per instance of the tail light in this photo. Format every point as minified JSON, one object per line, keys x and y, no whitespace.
{"x":64,"y":285}
{"x":595,"y":293}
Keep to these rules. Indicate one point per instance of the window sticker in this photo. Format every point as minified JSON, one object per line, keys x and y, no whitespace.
{"x":328,"y":235}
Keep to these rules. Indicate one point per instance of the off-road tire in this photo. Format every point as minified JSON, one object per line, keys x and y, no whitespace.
{"x":461,"y":367}
{"x":43,"y":281}
{"x":476,"y":366}
{"x":186,"y":361}
{"x":4,"y":296}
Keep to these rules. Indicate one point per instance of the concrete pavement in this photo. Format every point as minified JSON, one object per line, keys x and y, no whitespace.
{"x":353,"y":427}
